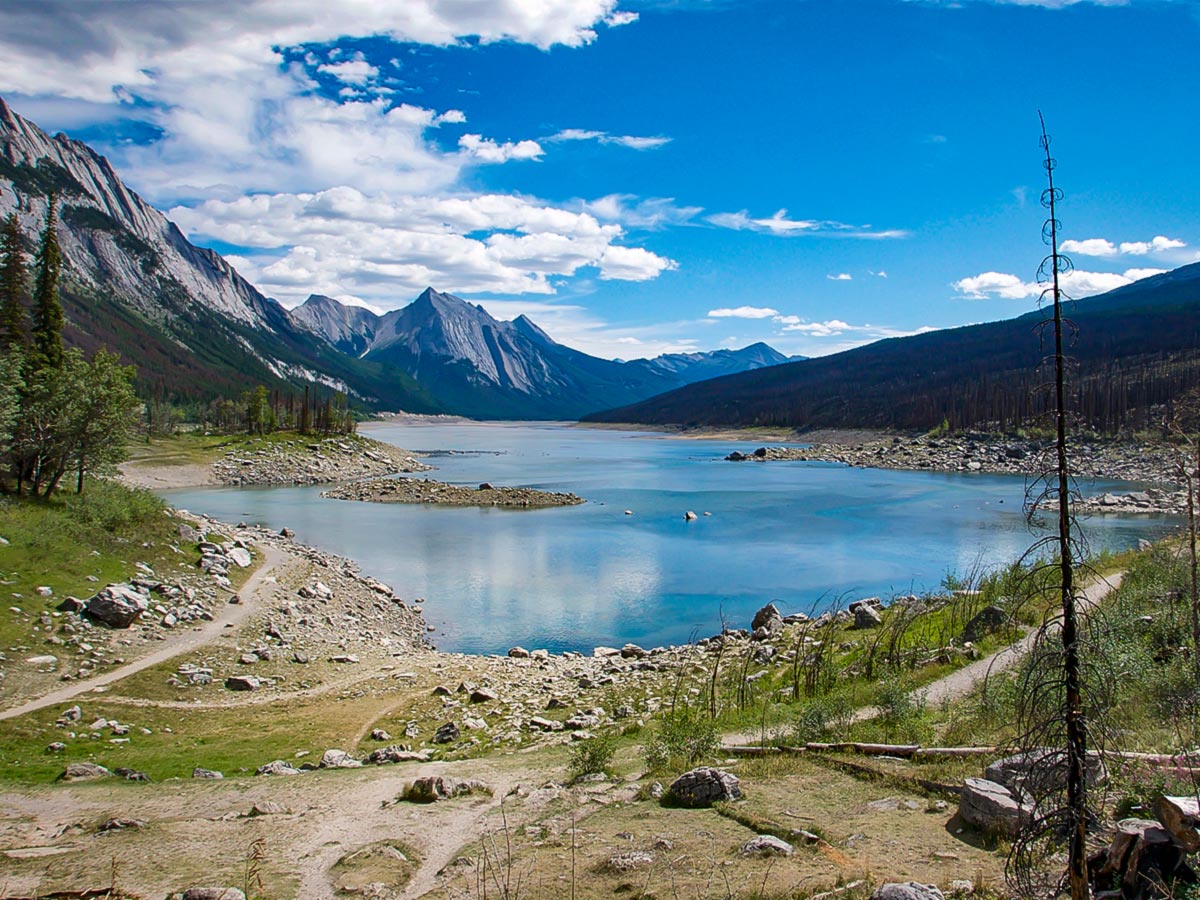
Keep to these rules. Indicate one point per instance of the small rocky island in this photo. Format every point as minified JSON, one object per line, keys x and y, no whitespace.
{"x":413,"y":490}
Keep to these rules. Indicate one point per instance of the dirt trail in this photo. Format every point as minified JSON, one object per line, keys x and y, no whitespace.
{"x":960,"y":682}
{"x":260,"y":583}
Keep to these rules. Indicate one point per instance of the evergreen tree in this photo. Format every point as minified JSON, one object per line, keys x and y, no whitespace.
{"x":47,"y":311}
{"x":13,"y":285}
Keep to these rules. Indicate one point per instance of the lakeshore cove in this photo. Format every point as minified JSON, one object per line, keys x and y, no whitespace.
{"x":628,"y":565}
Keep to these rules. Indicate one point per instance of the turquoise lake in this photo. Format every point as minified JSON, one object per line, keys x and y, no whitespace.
{"x":799,"y":534}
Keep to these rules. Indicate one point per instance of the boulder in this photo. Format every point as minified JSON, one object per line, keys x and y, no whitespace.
{"x":769,"y":618}
{"x":117,"y":606}
{"x":518,"y":653}
{"x":432,"y":788}
{"x":242,"y":683}
{"x":338,"y":759}
{"x":689,"y":516}
{"x":199,"y":772}
{"x":483,"y":695}
{"x":984,"y":622}
{"x":866,"y":616}
{"x":446,"y":734}
{"x":84,"y":771}
{"x":705,"y":786}
{"x":277,"y":767}
{"x":378,"y":734}
{"x":1037,"y":773}
{"x":240,"y":557}
{"x":991,"y":807}
{"x":908,"y":890}
{"x":767,"y":845}
{"x":212,"y":893}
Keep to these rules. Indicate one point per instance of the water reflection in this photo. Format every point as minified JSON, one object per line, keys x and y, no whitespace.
{"x":576,"y":577}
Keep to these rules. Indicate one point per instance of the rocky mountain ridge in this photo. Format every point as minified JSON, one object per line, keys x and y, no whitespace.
{"x":491,"y":367}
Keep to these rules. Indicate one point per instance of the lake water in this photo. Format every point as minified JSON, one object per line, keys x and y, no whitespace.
{"x":573,"y":578}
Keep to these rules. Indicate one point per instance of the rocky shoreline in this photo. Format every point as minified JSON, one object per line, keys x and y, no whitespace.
{"x":413,"y":490}
{"x":311,"y":460}
{"x":1148,"y":463}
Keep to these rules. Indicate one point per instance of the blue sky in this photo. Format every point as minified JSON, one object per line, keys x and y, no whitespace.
{"x":643,"y":175}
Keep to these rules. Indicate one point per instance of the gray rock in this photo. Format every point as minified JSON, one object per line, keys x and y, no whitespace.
{"x":240,"y":557}
{"x":84,"y":771}
{"x":267,"y":808}
{"x":518,"y":653}
{"x":908,"y":890}
{"x":1037,"y":773}
{"x":689,"y":516}
{"x":432,"y":788}
{"x":277,"y":767}
{"x":117,"y":606}
{"x":991,"y":807}
{"x":338,"y":759}
{"x":242,"y":683}
{"x":705,"y":786}
{"x":984,"y":622}
{"x":867,"y":617}
{"x":767,"y":845}
{"x":379,"y":734}
{"x":212,"y":893}
{"x":631,"y":860}
{"x":446,"y":734}
{"x":56,"y":747}
{"x":206,"y":773}
{"x":769,"y":618}
{"x":483,"y":695}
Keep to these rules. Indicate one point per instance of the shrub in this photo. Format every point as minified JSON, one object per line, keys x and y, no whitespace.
{"x":592,"y":757}
{"x":111,"y":506}
{"x":682,"y":738}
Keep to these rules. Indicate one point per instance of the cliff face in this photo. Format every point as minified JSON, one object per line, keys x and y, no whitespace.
{"x":111,"y":237}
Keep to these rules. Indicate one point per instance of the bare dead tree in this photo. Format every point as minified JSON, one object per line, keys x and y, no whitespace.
{"x":1051,"y":710}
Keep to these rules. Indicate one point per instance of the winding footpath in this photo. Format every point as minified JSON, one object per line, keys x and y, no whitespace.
{"x":960,"y":682}
{"x":260,"y":582}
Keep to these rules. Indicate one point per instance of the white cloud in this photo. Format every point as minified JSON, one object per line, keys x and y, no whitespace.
{"x":352,"y":71}
{"x":384,"y":248}
{"x":841,"y":276}
{"x":488,"y":151}
{"x":780,"y":224}
{"x":90,"y":51}
{"x":743,"y":312}
{"x":819,"y":329}
{"x":617,"y":19}
{"x":1090,"y":247}
{"x":1159,"y":244}
{"x":625,"y":140}
{"x":1075,"y":284}
{"x":1105,"y":247}
{"x":635,"y":212}
{"x":619,"y":263}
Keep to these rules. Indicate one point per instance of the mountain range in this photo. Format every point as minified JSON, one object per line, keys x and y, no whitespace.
{"x":197,"y":330}
{"x":1132,"y":352}
{"x":486,"y":368}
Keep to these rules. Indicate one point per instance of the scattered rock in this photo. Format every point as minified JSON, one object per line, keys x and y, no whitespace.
{"x":631,"y":860}
{"x":277,"y":767}
{"x":909,"y":890}
{"x":267,"y":808}
{"x":338,"y":759}
{"x":440,"y":787}
{"x":446,"y":734}
{"x":705,"y":786}
{"x":84,"y":771}
{"x":211,"y":893}
{"x":991,"y":807}
{"x":986,"y":621}
{"x":118,"y":605}
{"x":242,"y":683}
{"x":198,"y":772}
{"x":767,"y":845}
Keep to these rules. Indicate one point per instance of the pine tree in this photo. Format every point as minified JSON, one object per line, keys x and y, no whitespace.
{"x":13,"y":285}
{"x":47,"y":310}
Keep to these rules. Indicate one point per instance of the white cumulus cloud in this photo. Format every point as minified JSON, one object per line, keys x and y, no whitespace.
{"x":489,"y":151}
{"x":743,"y":312}
{"x":1090,"y":247}
{"x":1075,"y":284}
